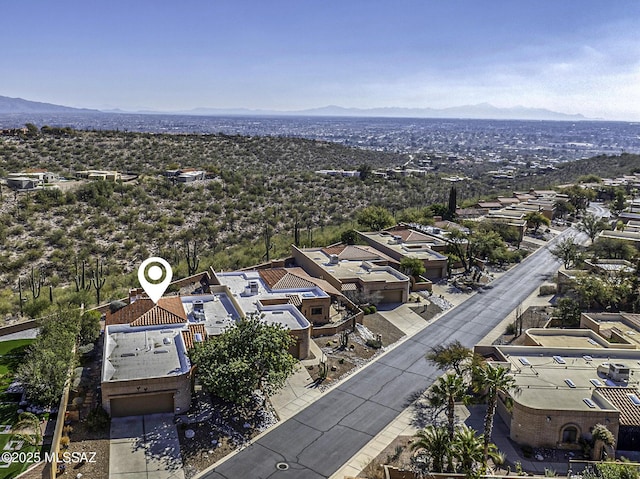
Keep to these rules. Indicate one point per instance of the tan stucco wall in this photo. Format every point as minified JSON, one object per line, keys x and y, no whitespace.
{"x":179,"y":385}
{"x":311,"y":303}
{"x":543,"y":427}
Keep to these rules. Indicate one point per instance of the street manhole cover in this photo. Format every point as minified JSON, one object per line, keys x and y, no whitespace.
{"x":282,"y":466}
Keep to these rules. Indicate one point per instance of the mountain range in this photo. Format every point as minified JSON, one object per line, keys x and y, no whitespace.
{"x":483,"y":111}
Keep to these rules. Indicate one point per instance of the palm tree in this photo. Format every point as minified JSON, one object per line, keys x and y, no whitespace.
{"x":468,"y":448}
{"x":435,"y":442}
{"x":28,"y":427}
{"x":448,"y":390}
{"x":601,"y":437}
{"x":492,"y":380}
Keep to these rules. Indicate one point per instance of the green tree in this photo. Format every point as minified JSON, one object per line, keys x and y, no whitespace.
{"x":412,"y":266}
{"x":568,"y":311}
{"x":567,"y":250}
{"x":591,"y":225}
{"x":32,"y":130}
{"x":613,"y":248}
{"x":434,"y":446}
{"x":365,"y":171}
{"x":602,"y":438}
{"x":590,"y":178}
{"x":89,"y":327}
{"x":492,"y":381}
{"x":349,"y":237}
{"x":563,"y":208}
{"x":250,"y":356}
{"x":535,"y":219}
{"x":579,"y":197}
{"x":619,"y":202}
{"x":458,"y":245}
{"x":486,"y":244}
{"x":375,"y":218}
{"x":453,"y":355}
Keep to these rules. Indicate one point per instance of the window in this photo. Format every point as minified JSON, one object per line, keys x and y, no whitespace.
{"x":570,"y":434}
{"x":316,"y":311}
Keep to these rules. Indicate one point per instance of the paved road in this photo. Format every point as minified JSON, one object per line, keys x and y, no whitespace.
{"x":316,"y":442}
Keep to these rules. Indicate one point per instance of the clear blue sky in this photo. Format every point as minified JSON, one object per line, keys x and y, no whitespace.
{"x":580,"y":56}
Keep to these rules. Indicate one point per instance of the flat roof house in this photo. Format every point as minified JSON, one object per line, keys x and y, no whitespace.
{"x":146,"y":369}
{"x":355,"y":268}
{"x":249,"y":293}
{"x":565,"y":391}
{"x":407,"y":243}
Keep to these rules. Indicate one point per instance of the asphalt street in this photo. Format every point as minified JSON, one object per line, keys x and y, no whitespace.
{"x":316,"y":442}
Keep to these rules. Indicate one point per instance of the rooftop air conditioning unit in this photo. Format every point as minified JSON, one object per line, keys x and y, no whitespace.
{"x":333,"y":259}
{"x":618,"y":372}
{"x":252,"y":288}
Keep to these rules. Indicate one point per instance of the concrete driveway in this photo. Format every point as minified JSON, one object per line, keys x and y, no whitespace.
{"x":144,"y":447}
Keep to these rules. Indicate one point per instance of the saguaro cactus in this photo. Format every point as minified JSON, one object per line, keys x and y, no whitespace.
{"x":80,"y":276}
{"x":268,"y":234}
{"x":296,"y":232}
{"x":344,"y":338}
{"x":98,"y":279}
{"x":193,"y":261}
{"x":36,"y":280}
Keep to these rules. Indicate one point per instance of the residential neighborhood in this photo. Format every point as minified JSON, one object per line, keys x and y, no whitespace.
{"x":357,"y":318}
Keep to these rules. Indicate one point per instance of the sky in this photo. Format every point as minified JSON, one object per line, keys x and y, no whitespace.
{"x":571,"y":56}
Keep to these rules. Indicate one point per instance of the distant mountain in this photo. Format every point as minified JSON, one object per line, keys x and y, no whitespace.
{"x":18,"y":105}
{"x":484,"y":111}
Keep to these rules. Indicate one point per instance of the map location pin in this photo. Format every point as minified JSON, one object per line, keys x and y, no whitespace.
{"x":155,"y":275}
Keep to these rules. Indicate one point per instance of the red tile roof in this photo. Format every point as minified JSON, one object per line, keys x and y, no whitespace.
{"x":189,"y":334}
{"x":143,"y":312}
{"x":619,"y":397}
{"x":334,"y":249}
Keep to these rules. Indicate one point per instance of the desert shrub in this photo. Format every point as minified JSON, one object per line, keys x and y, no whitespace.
{"x":374,"y":343}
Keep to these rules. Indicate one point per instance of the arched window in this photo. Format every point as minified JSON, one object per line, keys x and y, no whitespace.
{"x":569,"y":434}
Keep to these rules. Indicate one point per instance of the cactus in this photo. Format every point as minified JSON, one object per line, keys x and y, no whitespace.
{"x":36,"y":280}
{"x":20,"y":293}
{"x":267,"y":242}
{"x":323,"y":371}
{"x":344,"y":338}
{"x":193,"y":261}
{"x":98,"y":279}
{"x":296,"y":232}
{"x":80,"y":279}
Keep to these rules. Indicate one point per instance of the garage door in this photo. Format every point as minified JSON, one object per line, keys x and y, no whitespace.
{"x":392,"y":296}
{"x":142,"y":404}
